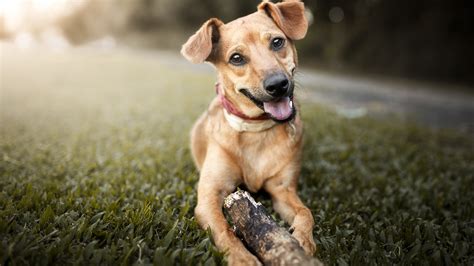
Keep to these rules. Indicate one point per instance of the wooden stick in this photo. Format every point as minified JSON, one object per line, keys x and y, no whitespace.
{"x":272,"y":244}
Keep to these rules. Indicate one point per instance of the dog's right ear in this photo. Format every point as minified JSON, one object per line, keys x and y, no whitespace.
{"x":199,"y":47}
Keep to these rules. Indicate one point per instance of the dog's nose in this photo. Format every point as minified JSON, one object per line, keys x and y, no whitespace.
{"x":276,"y":84}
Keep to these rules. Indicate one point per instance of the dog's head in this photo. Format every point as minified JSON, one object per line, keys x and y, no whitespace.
{"x":255,"y":57}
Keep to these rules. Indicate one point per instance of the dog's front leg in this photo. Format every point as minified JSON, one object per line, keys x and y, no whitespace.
{"x":219,"y":178}
{"x":286,"y":202}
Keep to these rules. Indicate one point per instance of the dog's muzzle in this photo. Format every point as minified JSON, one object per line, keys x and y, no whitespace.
{"x":279,"y":101}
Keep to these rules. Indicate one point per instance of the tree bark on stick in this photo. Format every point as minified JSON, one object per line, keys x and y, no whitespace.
{"x":272,"y":244}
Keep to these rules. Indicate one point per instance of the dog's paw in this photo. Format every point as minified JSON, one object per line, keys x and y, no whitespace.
{"x":306,"y":241}
{"x":243,"y":258}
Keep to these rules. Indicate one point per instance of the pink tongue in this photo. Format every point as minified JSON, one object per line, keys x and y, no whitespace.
{"x":280,"y":110}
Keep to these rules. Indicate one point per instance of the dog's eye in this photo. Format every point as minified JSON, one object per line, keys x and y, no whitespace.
{"x":237,"y":59}
{"x":277,"y":43}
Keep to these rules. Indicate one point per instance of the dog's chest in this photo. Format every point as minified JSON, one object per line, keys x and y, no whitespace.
{"x":262,"y":157}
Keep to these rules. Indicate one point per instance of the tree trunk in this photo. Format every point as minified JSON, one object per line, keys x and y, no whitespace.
{"x":272,"y":244}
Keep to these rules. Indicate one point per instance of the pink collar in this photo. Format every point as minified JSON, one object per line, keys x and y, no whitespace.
{"x":230,"y":107}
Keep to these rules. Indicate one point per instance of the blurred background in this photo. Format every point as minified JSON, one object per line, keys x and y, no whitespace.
{"x":426,"y":39}
{"x":96,"y":106}
{"x":411,"y":58}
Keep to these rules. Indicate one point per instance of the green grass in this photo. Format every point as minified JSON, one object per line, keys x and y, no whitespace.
{"x":95,"y":169}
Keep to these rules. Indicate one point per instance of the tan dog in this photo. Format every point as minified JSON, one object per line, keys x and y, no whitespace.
{"x":251,"y":133}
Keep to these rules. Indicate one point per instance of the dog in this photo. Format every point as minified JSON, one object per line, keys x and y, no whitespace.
{"x":251,"y":133}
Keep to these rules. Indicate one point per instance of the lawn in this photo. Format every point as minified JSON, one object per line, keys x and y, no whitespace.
{"x":95,"y":169}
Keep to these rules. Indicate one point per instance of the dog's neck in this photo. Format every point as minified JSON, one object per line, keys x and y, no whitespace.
{"x":240,"y":121}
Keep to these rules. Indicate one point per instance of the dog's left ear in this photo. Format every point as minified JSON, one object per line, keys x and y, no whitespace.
{"x":198,"y":48}
{"x":289,"y":17}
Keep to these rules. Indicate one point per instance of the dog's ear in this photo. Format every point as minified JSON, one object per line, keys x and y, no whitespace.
{"x":198,"y":48}
{"x":289,"y":16}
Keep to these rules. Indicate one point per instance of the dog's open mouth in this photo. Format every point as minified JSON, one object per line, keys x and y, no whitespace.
{"x":281,"y":110}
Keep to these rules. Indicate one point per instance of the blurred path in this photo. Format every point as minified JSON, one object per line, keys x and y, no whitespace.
{"x":435,"y":105}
